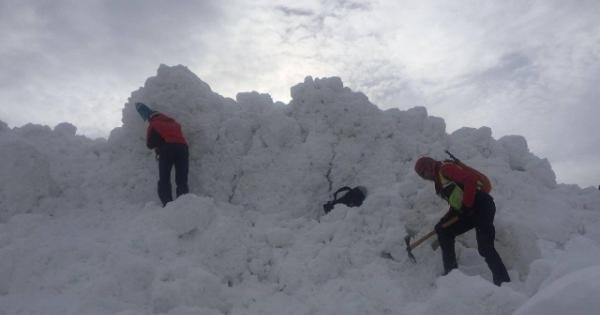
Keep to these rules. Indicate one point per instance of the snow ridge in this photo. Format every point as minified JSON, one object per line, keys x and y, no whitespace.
{"x":81,"y":231}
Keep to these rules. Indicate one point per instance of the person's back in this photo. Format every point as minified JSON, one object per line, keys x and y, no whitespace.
{"x":166,"y":128}
{"x":164,"y":135}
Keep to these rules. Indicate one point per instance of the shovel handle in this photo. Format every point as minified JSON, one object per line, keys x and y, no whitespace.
{"x":430,"y":234}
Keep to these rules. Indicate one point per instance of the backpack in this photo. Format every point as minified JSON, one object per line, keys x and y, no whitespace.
{"x":483,"y":183}
{"x":353,"y":197}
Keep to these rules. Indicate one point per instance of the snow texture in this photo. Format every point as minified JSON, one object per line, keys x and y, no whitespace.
{"x":82,"y":230}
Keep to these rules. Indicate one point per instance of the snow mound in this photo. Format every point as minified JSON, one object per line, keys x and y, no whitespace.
{"x":575,"y":293}
{"x":460,"y":294}
{"x":82,"y":231}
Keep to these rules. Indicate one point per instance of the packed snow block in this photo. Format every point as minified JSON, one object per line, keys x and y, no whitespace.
{"x":435,"y":127}
{"x":355,"y":296}
{"x":235,"y":136}
{"x":416,"y":122}
{"x":521,"y":159}
{"x":65,"y":129}
{"x":190,"y":212}
{"x":190,"y":287}
{"x":279,"y":131}
{"x":27,"y":179}
{"x":130,"y":279}
{"x":254,"y":102}
{"x":413,"y":119}
{"x":329,"y":263}
{"x":151,"y":234}
{"x":32,"y":260}
{"x":279,"y":237}
{"x":515,"y":241}
{"x":260,"y":261}
{"x":301,"y":90}
{"x":457,"y":293}
{"x":541,"y":170}
{"x":517,"y":150}
{"x":472,"y":143}
{"x":575,"y":294}
{"x":222,"y":248}
{"x":33,"y":131}
{"x":579,"y":253}
{"x":325,"y":106}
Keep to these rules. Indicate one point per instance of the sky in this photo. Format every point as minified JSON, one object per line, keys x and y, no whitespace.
{"x":530,"y":68}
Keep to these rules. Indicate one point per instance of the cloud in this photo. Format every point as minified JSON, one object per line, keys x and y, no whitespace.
{"x":292,"y":11}
{"x":520,"y":67}
{"x":78,"y":60}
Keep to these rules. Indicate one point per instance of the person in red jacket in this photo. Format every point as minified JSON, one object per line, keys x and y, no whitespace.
{"x":474,"y":208}
{"x":165,"y":137}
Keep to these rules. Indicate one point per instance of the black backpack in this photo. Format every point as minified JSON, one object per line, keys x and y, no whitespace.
{"x":353,"y":197}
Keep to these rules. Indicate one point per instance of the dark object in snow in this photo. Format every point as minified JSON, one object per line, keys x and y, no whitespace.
{"x":386,"y":255}
{"x":164,"y":135}
{"x":353,"y":197}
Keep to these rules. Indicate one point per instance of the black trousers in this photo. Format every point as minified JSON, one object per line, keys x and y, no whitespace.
{"x":482,"y":219}
{"x":172,"y":154}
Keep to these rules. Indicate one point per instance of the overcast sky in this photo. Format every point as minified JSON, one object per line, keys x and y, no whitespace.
{"x":520,"y":67}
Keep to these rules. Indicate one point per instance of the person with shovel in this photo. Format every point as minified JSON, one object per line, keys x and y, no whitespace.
{"x":165,"y":137}
{"x":471,"y":206}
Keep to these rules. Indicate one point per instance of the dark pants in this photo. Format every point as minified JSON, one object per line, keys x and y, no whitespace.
{"x":482,"y":219}
{"x":172,"y":154}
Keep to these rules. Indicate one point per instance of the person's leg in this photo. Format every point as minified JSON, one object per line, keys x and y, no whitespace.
{"x":181,"y":170}
{"x":165,"y":164}
{"x":446,"y":237}
{"x":486,"y":234}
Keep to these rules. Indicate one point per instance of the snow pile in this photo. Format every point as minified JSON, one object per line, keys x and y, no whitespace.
{"x":575,"y":293}
{"x":82,"y":232}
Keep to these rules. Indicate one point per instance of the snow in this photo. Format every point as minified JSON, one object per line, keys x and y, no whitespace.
{"x":576,"y":294}
{"x":82,"y":230}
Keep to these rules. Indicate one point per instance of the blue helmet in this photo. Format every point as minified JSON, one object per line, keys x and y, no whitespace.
{"x":144,"y":111}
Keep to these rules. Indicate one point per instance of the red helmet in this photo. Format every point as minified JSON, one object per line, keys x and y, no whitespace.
{"x":425,"y":167}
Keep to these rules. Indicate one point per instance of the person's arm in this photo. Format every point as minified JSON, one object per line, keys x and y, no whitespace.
{"x":153,"y":138}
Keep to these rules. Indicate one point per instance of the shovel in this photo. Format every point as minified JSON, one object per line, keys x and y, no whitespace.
{"x":410,"y":247}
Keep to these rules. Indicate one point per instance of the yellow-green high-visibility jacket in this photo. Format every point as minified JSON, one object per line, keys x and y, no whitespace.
{"x":456,"y":185}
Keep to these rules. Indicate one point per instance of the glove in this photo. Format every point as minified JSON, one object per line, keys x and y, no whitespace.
{"x":438,"y":228}
{"x":448,"y":216}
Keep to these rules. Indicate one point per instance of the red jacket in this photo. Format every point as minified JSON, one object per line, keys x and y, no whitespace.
{"x":451,"y":172}
{"x":163,"y":129}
